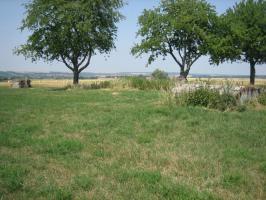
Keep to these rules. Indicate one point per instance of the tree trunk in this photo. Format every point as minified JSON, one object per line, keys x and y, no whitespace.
{"x":252,"y":73}
{"x":75,"y":77}
{"x":183,"y":74}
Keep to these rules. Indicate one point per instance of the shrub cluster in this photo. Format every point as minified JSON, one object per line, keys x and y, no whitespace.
{"x":93,"y":86}
{"x":223,"y":102}
{"x":208,"y":98}
{"x":159,"y":74}
{"x":139,"y":82}
{"x":100,"y":85}
{"x":142,"y":83}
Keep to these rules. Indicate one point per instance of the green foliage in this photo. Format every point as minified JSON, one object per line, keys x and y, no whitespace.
{"x":102,"y":84}
{"x":262,"y":99}
{"x":215,"y":100}
{"x":199,"y":97}
{"x":229,"y":99}
{"x":241,"y":108}
{"x":92,"y":86}
{"x":159,"y":74}
{"x":179,"y":28}
{"x":70,"y":31}
{"x":207,"y":98}
{"x":142,"y":83}
{"x":241,"y":35}
{"x":223,"y":102}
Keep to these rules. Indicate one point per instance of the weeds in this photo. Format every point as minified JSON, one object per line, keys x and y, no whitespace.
{"x":262,"y":99}
{"x":207,"y":98}
{"x":91,"y":86}
{"x":142,"y":83}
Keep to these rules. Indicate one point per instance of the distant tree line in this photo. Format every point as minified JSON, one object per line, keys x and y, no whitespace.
{"x":73,"y":31}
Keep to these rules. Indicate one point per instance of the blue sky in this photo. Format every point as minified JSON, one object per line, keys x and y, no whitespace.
{"x":120,"y":60}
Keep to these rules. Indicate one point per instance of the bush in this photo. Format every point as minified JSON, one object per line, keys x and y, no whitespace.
{"x":159,"y":74}
{"x":93,"y":86}
{"x":228,"y":100}
{"x":223,"y":102}
{"x":100,"y":85}
{"x":142,"y":83}
{"x":199,"y":97}
{"x":139,"y":83}
{"x":262,"y":99}
{"x":161,"y":84}
{"x":215,"y":101}
{"x":207,"y":98}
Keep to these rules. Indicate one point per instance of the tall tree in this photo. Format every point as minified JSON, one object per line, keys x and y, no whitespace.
{"x":241,"y":35}
{"x":179,"y":28}
{"x":70,"y":31}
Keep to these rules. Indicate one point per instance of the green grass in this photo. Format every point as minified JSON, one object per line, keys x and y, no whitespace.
{"x":104,"y":144}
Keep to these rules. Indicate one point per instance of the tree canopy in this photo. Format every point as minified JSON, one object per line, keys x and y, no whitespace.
{"x":241,"y":35}
{"x":182,"y":29}
{"x":70,"y":31}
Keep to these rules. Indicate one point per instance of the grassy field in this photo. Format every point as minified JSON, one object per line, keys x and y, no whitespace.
{"x":106,"y":144}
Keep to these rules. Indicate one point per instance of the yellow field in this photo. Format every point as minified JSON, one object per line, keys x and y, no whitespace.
{"x":64,"y":82}
{"x":56,"y":83}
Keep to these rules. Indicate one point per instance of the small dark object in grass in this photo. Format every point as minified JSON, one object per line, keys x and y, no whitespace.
{"x":241,"y":108}
{"x":21,"y":84}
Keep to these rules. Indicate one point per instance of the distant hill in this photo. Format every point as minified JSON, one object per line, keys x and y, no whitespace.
{"x":64,"y":75}
{"x":4,"y":75}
